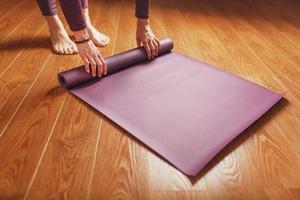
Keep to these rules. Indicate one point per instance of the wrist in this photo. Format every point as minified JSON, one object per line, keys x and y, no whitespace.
{"x":144,"y":22}
{"x":81,"y":35}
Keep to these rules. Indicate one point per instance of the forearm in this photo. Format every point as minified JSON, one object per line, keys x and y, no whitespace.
{"x":142,"y":9}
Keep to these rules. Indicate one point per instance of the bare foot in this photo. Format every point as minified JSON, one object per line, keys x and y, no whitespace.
{"x":97,"y":37}
{"x":61,"y":43}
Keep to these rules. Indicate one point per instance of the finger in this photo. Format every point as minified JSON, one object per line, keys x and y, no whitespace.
{"x":156,"y":47}
{"x":86,"y":64}
{"x":152,"y":47}
{"x":158,"y":43}
{"x":104,"y":66}
{"x":99,"y":65}
{"x":93,"y":65}
{"x":147,"y":48}
{"x":157,"y":40}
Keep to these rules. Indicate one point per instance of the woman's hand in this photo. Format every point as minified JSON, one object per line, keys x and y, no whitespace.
{"x":145,"y":37}
{"x":90,"y":55}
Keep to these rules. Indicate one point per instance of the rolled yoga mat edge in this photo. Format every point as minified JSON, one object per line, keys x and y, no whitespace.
{"x":76,"y":76}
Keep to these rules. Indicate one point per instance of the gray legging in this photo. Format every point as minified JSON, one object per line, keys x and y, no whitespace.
{"x":72,"y":10}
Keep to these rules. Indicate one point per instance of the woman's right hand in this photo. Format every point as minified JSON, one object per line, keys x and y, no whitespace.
{"x":90,"y":55}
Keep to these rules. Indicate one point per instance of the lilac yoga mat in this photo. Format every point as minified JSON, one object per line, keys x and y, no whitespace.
{"x":183,"y":109}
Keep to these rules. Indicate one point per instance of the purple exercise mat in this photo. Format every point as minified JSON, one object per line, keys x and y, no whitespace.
{"x":183,"y":109}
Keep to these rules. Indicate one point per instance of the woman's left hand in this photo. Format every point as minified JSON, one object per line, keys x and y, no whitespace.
{"x":146,"y":38}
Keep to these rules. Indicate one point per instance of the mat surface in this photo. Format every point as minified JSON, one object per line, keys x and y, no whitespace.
{"x":185,"y":110}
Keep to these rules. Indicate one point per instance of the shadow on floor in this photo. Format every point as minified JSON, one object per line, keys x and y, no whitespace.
{"x":270,"y":10}
{"x":25,"y":42}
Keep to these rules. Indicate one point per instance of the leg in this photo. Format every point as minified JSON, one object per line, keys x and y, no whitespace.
{"x":97,"y":37}
{"x":61,"y":43}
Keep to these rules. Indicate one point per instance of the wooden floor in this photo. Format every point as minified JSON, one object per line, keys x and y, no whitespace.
{"x":52,"y":146}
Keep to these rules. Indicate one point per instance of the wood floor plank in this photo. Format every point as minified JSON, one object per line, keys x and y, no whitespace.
{"x":207,"y":194}
{"x":18,"y":79}
{"x":22,"y":142}
{"x":271,"y":12}
{"x":13,"y":20}
{"x":179,"y":195}
{"x":16,"y":42}
{"x":292,"y":6}
{"x":273,"y":58}
{"x":66,"y":167}
{"x":278,"y":194}
{"x":270,"y":33}
{"x":7,"y":7}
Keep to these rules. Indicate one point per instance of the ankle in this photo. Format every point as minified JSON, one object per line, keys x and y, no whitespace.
{"x":86,"y":15}
{"x":54,"y":23}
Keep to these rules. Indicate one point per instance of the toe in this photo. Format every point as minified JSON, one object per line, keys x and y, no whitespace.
{"x":58,"y":50}
{"x":107,"y":40}
{"x":70,"y":51}
{"x":65,"y":50}
{"x":75,"y":50}
{"x":104,"y":43}
{"x":98,"y":42}
{"x":55,"y":49}
{"x":61,"y":50}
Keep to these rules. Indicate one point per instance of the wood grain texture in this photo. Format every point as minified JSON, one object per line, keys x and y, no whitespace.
{"x":10,"y":23}
{"x":8,"y":7}
{"x":54,"y":146}
{"x":17,"y":40}
{"x":24,"y":70}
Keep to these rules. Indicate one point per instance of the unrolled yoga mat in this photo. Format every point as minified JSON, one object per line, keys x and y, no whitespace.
{"x":183,"y":109}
